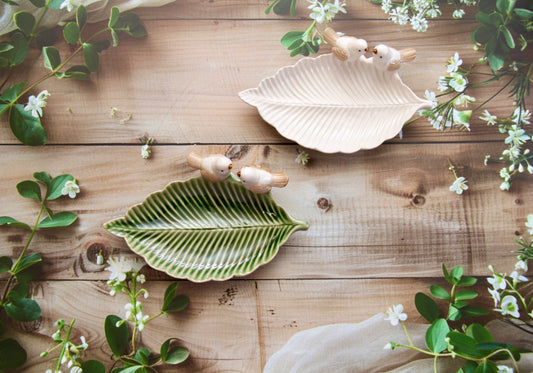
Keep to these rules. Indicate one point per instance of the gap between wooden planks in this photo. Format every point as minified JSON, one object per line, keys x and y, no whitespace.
{"x":382,"y":212}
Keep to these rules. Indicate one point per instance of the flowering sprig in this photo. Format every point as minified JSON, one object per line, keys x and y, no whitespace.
{"x":302,"y":157}
{"x":443,"y":340}
{"x":15,"y":299}
{"x":146,"y":149}
{"x":25,"y":120}
{"x":459,"y":184}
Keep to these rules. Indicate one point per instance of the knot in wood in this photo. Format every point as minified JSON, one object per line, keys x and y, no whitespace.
{"x":418,"y":200}
{"x":323,"y":204}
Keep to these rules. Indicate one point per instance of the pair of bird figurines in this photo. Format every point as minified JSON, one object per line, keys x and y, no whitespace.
{"x":349,"y":48}
{"x":217,"y":167}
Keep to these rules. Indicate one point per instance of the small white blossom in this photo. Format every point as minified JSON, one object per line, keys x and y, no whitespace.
{"x":453,"y":63}
{"x":517,"y":278}
{"x":431,"y":96}
{"x":529,"y":224}
{"x":459,"y":185}
{"x":504,"y":369}
{"x":399,"y":15}
{"x":70,"y":188}
{"x":464,"y":99}
{"x":495,"y":296}
{"x":516,"y":136}
{"x":505,"y":185}
{"x":118,"y":268}
{"x":443,"y":84}
{"x":419,"y":23}
{"x":509,"y":306}
{"x":462,"y":118}
{"x":497,"y":281}
{"x":521,"y":265}
{"x":388,"y":346}
{"x":302,"y":157}
{"x":146,"y":151}
{"x":69,"y":4}
{"x":521,"y":117}
{"x":36,"y":104}
{"x":76,"y":369}
{"x":512,"y":153}
{"x":395,"y":314}
{"x":504,"y":174}
{"x":458,"y":82}
{"x":489,"y":118}
{"x":386,"y":5}
{"x":84,"y":344}
{"x":458,"y":13}
{"x":325,"y":12}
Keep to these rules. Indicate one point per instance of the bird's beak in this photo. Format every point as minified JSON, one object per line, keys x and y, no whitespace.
{"x":375,"y":51}
{"x":239,"y":174}
{"x":366,"y":49}
{"x":230,"y":166}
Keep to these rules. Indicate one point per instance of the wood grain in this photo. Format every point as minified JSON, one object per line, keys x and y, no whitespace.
{"x":380,"y":209}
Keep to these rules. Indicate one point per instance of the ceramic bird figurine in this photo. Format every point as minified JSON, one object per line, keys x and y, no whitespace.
{"x":345,"y":48}
{"x":260,"y":180}
{"x":214,"y":167}
{"x":390,"y":59}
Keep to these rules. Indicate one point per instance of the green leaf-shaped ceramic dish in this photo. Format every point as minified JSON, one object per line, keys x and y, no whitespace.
{"x":201,"y":231}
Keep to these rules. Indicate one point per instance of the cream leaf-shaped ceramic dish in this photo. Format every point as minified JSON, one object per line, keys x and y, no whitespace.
{"x":335,"y":106}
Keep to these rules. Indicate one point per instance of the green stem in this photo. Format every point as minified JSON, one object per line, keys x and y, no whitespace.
{"x":494,"y":95}
{"x":407,"y":333}
{"x":40,"y":17}
{"x":435,"y":364}
{"x":65,"y":344}
{"x":426,"y":352}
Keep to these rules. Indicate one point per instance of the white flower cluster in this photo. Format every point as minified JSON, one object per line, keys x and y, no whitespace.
{"x":36,"y":104}
{"x":395,"y":314}
{"x":324,"y":11}
{"x":71,"y":353}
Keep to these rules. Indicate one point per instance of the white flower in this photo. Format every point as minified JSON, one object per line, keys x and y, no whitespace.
{"x":323,"y":13}
{"x":453,"y":63}
{"x":505,"y":185}
{"x":136,"y":265}
{"x":112,"y":292}
{"x":489,"y":118}
{"x":118,"y":268}
{"x":462,"y":117}
{"x":497,"y":281}
{"x":459,"y":185}
{"x":504,"y":369}
{"x":524,"y":116}
{"x":419,"y":23}
{"x":388,"y":346}
{"x":464,"y":99}
{"x":141,"y":279}
{"x":431,"y":96}
{"x":302,"y":157}
{"x":128,"y":307}
{"x":76,"y":370}
{"x":517,"y":278}
{"x":458,"y":13}
{"x":69,"y":4}
{"x":443,"y":84}
{"x":35,"y":104}
{"x":70,"y":188}
{"x":504,"y":174}
{"x":529,"y":224}
{"x":84,"y":344}
{"x":458,"y":82}
{"x":141,"y":320}
{"x":495,"y":296}
{"x":486,"y":159}
{"x":395,"y":314}
{"x":146,"y":151}
{"x":386,"y":5}
{"x":521,"y":265}
{"x":399,"y":15}
{"x":509,"y":306}
{"x":517,"y":136}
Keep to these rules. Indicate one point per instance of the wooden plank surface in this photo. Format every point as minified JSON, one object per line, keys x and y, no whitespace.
{"x":382,"y":221}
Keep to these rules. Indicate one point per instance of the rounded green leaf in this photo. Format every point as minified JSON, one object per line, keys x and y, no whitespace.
{"x":90,"y":54}
{"x":23,"y":309}
{"x":71,"y":33}
{"x":25,"y":21}
{"x":464,"y":345}
{"x":29,"y":189}
{"x":203,"y":231}
{"x":436,"y":334}
{"x":465,"y":295}
{"x":38,"y":3}
{"x":81,"y":17}
{"x":117,"y":337}
{"x":426,"y":307}
{"x":508,"y":37}
{"x":101,"y":45}
{"x":505,"y":6}
{"x":46,"y":38}
{"x":61,"y":219}
{"x":11,"y":93}
{"x":467,"y":281}
{"x":291,"y":37}
{"x":113,"y":18}
{"x":7,"y":220}
{"x":178,"y":303}
{"x":21,"y":47}
{"x":43,"y":177}
{"x":26,"y":262}
{"x":479,"y":333}
{"x":26,"y":127}
{"x":173,"y":354}
{"x":19,"y":291}
{"x":5,"y":263}
{"x":56,"y":185}
{"x":12,"y":355}
{"x":456,"y":273}
{"x":524,"y":13}
{"x":92,"y":366}
{"x":52,"y":59}
{"x":439,"y":292}
{"x":487,"y":367}
{"x":482,"y":34}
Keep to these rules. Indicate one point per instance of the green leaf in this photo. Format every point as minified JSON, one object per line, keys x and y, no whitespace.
{"x":524,"y":13}
{"x":225,"y":229}
{"x":117,"y":337}
{"x":51,"y":58}
{"x":173,"y":354}
{"x":71,"y":33}
{"x":7,"y":220}
{"x":38,"y":3}
{"x":3,"y":107}
{"x":5,"y":47}
{"x":173,"y":302}
{"x":487,"y":367}
{"x":23,"y":309}
{"x":2,"y":330}
{"x":61,"y":219}
{"x":282,"y":7}
{"x":55,"y":4}
{"x":456,"y":273}
{"x":46,"y":38}
{"x":505,"y":6}
{"x":479,"y":333}
{"x":464,"y":345}
{"x":290,"y":37}
{"x":473,"y":311}
{"x":496,"y":19}
{"x":132,"y":369}
{"x":11,"y":93}
{"x":19,"y":291}
{"x":454,"y":313}
{"x":495,"y":61}
{"x":482,"y":34}
{"x":101,"y":45}
{"x":465,"y":295}
{"x":12,"y":355}
{"x":25,"y":21}
{"x":21,"y":48}
{"x":483,"y":18}
{"x":26,"y":127}
{"x":78,"y":72}
{"x":439,"y":292}
{"x":142,"y":356}
{"x":29,"y":189}
{"x":43,"y":177}
{"x":57,"y":184}
{"x":508,"y":37}
{"x":113,"y":18}
{"x":5,"y":264}
{"x":114,"y":35}
{"x":90,"y":53}
{"x":92,"y":366}
{"x":130,"y":24}
{"x":436,"y":334}
{"x":427,"y":307}
{"x":29,"y":273}
{"x":469,"y":367}
{"x":81,"y":17}
{"x":467,"y":281}
{"x":26,"y":262}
